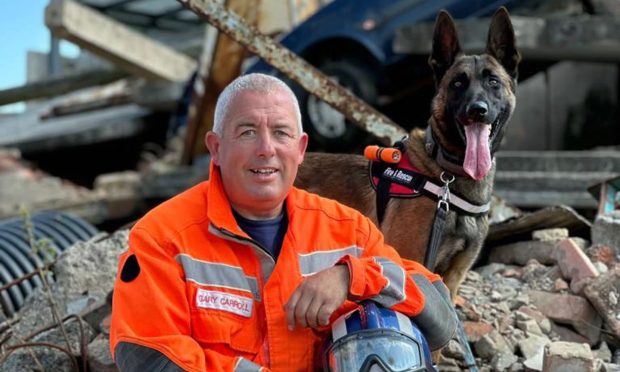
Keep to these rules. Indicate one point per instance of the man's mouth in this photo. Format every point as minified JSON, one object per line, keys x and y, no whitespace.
{"x":264,"y":171}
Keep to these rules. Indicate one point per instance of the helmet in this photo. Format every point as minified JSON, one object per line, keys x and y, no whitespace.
{"x":372,"y":338}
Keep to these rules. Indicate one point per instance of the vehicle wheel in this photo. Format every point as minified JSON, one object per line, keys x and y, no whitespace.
{"x":328,"y":129}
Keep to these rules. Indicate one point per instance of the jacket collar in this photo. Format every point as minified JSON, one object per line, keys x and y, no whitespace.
{"x":219,"y":210}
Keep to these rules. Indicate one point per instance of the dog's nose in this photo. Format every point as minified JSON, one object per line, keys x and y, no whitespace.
{"x":477,"y":111}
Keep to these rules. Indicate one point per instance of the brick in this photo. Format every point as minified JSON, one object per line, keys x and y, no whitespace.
{"x":574,"y":264}
{"x":568,"y":357}
{"x":604,"y":293}
{"x":569,"y":309}
{"x":521,"y":252}
{"x":475,"y":330}
{"x":602,"y":253}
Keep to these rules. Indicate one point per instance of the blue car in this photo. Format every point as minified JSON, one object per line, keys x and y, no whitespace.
{"x":352,"y":42}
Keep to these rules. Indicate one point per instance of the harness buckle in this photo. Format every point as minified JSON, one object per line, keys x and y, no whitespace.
{"x":444,"y":201}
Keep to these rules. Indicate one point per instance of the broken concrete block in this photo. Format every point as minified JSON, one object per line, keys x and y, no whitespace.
{"x":574,"y":263}
{"x":453,"y":350}
{"x":568,"y":357}
{"x":569,"y":309}
{"x":99,"y":356}
{"x":605,"y":231}
{"x":533,"y":345}
{"x":491,"y":344}
{"x":604,"y":292}
{"x":530,"y":327}
{"x":90,"y":267}
{"x":550,"y":234}
{"x":503,"y":361}
{"x":603,"y":353}
{"x":521,"y":252}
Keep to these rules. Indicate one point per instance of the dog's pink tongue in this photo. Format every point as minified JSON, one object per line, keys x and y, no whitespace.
{"x":477,"y":155}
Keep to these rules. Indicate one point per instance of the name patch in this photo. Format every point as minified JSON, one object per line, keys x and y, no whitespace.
{"x":225,"y":302}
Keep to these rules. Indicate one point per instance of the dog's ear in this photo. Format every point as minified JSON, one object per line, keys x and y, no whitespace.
{"x":501,"y":42}
{"x":446,"y":45}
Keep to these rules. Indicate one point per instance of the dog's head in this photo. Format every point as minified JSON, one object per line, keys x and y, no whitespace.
{"x":475,"y":93}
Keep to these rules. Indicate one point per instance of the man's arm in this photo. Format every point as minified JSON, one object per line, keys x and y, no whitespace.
{"x":151,"y":317}
{"x":382,"y":276}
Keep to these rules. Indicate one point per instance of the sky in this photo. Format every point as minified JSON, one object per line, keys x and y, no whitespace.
{"x":22,"y":28}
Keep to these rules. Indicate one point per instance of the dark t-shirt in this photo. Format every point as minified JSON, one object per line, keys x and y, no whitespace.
{"x":269,"y":233}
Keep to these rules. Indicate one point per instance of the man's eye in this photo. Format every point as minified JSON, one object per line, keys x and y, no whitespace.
{"x":282,"y":133}
{"x":248,"y":133}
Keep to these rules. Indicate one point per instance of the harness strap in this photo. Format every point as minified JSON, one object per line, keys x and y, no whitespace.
{"x":434,"y":241}
{"x":456,"y":201}
{"x":383,"y":196}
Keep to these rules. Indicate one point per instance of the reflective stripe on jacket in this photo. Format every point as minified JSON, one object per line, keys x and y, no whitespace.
{"x":210,"y":298}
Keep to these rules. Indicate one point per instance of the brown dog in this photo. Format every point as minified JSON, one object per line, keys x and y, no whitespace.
{"x":474,"y":100}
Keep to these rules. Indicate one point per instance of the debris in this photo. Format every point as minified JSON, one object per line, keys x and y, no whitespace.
{"x":603,"y":293}
{"x":605,"y":231}
{"x":568,"y":357}
{"x":550,"y":234}
{"x":575,"y":265}
{"x":569,"y":309}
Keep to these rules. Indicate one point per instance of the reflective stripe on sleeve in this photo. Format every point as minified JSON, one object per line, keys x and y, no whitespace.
{"x":437,"y":320}
{"x":218,"y":275}
{"x":394,"y":292}
{"x":312,"y":263}
{"x":244,"y":365}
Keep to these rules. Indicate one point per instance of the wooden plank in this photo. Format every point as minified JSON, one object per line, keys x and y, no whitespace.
{"x":220,"y":64}
{"x":298,"y":70}
{"x":113,"y":41}
{"x":58,"y":86}
{"x":585,"y":38}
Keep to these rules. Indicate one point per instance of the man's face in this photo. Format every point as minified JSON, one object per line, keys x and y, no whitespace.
{"x":258,"y":152}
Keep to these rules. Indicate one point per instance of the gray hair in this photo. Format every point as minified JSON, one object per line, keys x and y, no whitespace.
{"x":254,"y":82}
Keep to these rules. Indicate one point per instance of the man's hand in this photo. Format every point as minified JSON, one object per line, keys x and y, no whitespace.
{"x":317,"y":297}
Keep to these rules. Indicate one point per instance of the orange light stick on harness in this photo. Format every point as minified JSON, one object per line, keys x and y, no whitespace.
{"x":384,"y":154}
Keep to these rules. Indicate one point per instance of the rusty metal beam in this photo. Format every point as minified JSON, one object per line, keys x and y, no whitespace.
{"x":297,"y":69}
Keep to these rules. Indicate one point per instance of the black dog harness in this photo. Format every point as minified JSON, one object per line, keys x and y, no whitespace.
{"x":404,"y":180}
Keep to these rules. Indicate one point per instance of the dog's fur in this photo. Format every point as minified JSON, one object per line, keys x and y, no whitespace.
{"x":464,"y":85}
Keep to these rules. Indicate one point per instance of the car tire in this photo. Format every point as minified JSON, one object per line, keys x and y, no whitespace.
{"x":328,"y":129}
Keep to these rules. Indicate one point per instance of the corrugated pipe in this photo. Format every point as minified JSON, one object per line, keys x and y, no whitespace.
{"x":18,"y":259}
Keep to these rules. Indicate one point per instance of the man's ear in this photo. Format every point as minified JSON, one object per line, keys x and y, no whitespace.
{"x":303,"y":145}
{"x":212,"y":141}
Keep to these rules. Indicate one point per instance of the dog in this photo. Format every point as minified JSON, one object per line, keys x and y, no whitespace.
{"x":474,"y":99}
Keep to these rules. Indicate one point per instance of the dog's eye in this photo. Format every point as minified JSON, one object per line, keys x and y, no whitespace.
{"x":457,"y":84}
{"x":494,"y":82}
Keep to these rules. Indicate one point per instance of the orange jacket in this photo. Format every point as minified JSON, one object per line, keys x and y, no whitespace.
{"x":209,"y":298}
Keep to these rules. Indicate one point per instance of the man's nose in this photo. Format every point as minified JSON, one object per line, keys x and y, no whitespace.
{"x":266,"y":145}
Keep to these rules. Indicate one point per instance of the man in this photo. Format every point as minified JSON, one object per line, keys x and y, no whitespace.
{"x":244,"y":271}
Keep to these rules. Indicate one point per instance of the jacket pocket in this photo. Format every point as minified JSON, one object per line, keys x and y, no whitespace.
{"x":226,"y":319}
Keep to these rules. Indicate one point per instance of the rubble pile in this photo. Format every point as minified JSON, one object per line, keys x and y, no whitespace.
{"x":549,"y":304}
{"x":84,"y":278}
